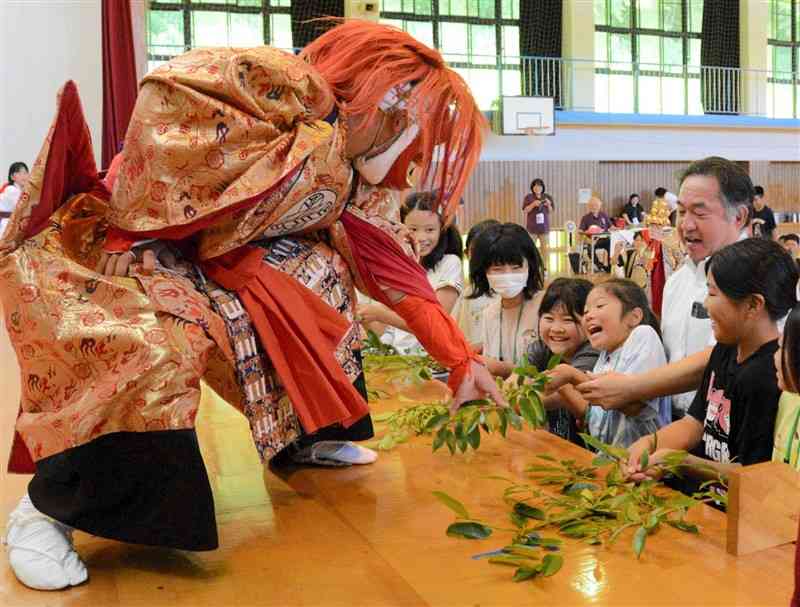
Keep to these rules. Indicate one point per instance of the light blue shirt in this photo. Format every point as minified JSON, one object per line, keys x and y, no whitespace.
{"x":641,"y":352}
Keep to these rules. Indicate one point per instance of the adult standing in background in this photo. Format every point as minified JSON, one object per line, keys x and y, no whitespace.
{"x":763,"y":217}
{"x":537,"y":207}
{"x":11,"y":191}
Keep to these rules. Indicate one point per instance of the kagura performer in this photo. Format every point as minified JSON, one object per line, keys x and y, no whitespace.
{"x":225,"y":245}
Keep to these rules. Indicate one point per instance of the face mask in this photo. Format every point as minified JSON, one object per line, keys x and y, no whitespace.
{"x":509,"y":285}
{"x":374,"y":169}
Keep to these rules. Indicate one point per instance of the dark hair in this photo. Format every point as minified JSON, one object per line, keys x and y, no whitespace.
{"x":758,"y":191}
{"x":16,"y":167}
{"x":735,"y":186}
{"x":568,"y":292}
{"x":792,"y":237}
{"x":538,"y":181}
{"x":449,"y":239}
{"x":477,"y":229}
{"x":505,"y":243}
{"x":756,"y":266}
{"x":659,"y":192}
{"x":632,"y":196}
{"x":790,"y":356}
{"x":631,"y":296}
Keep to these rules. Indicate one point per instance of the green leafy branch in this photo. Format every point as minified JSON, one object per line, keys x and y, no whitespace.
{"x":579,"y":503}
{"x":525,"y":396}
{"x":406,"y":422}
{"x":373,"y":346}
{"x":462,"y":430}
{"x":526,"y":556}
{"x":672,"y":464}
{"x":413,"y":366}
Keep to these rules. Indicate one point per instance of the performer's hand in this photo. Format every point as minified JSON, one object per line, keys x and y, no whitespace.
{"x":477,"y":385}
{"x":512,"y":381}
{"x":118,"y":264}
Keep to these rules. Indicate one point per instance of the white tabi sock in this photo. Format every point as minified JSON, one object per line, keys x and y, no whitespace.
{"x":40,"y":550}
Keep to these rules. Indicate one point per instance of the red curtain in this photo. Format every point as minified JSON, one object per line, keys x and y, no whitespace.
{"x":119,"y":75}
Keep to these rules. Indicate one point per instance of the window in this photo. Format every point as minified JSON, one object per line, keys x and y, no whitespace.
{"x":647,"y":54}
{"x":478,"y":38}
{"x":175,"y":27}
{"x":783,"y":59}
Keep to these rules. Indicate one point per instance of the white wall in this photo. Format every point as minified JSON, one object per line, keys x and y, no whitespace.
{"x":44,"y":43}
{"x":593,"y":142}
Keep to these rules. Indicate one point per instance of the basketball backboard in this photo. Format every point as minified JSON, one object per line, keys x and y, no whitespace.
{"x":528,"y":116}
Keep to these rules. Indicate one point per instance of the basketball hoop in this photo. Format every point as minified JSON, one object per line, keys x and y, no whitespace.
{"x":531,"y":116}
{"x":536,"y":131}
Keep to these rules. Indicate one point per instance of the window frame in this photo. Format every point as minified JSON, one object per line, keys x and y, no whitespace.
{"x":634,"y":32}
{"x":794,"y":49}
{"x":436,"y":18}
{"x":266,"y":9}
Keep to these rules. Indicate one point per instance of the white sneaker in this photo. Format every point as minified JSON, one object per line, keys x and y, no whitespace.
{"x":40,"y":550}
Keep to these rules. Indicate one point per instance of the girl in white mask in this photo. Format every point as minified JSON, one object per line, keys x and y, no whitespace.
{"x":506,"y":262}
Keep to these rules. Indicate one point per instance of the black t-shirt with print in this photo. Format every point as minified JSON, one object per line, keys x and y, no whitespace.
{"x":737,"y":405}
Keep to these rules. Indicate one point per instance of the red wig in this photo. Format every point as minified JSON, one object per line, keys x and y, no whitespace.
{"x":363,"y":60}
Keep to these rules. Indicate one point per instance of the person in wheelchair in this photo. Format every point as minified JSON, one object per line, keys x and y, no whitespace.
{"x":595,"y":222}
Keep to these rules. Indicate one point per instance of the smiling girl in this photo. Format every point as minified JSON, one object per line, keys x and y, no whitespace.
{"x":751,"y":284}
{"x":621,"y":326}
{"x":561,"y":333}
{"x":439,"y":251}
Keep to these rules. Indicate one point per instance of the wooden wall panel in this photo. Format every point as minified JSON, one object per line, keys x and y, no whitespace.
{"x":618,"y":180}
{"x":783,"y":186}
{"x":759,"y":172}
{"x":497,"y":188}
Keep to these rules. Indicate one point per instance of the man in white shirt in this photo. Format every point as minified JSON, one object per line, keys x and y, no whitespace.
{"x":714,"y":209}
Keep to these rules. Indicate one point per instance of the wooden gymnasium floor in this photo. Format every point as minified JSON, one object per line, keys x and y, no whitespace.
{"x":374,"y":535}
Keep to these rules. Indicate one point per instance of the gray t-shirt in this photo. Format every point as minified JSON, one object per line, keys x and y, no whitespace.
{"x":560,"y":421}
